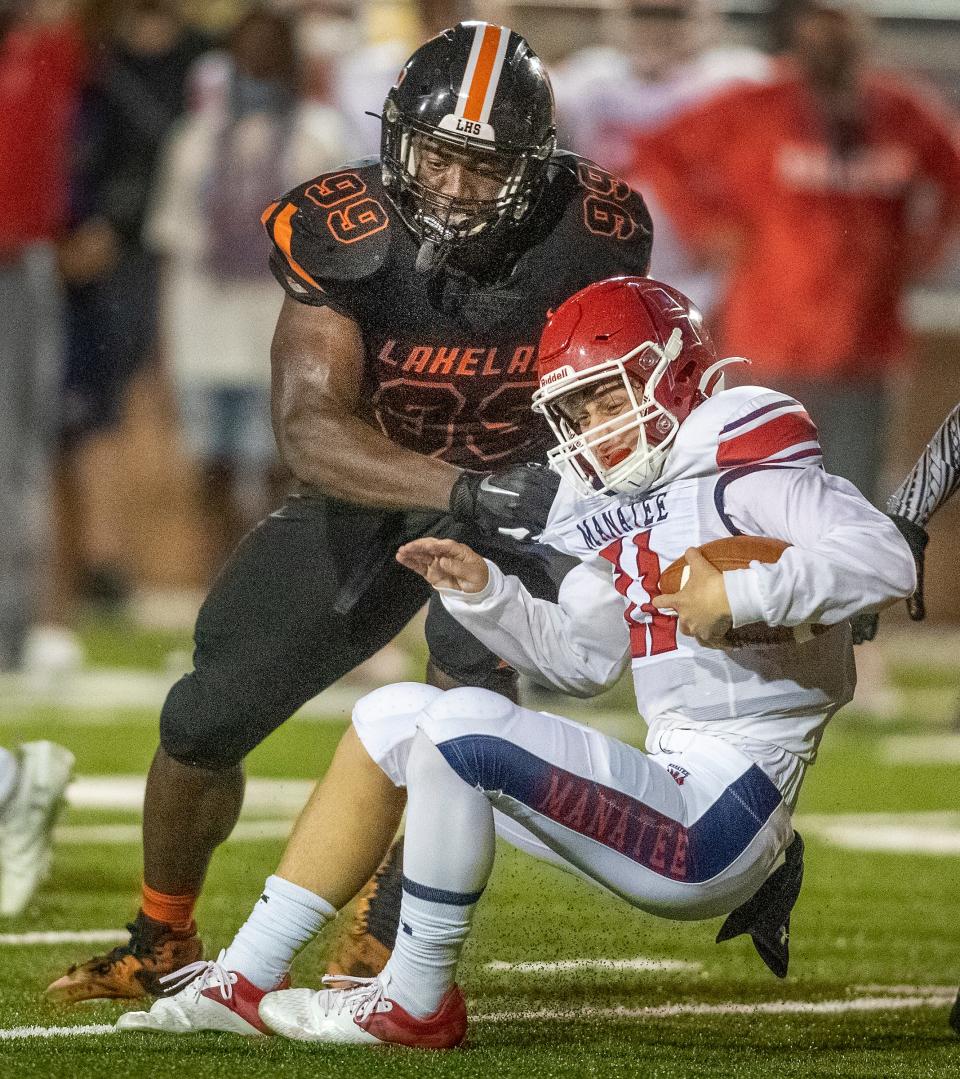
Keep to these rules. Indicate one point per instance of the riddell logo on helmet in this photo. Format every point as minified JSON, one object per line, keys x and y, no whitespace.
{"x":556,"y":375}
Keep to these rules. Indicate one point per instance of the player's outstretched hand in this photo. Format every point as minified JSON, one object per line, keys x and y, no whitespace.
{"x":515,"y":502}
{"x":444,"y":563}
{"x":702,"y":602}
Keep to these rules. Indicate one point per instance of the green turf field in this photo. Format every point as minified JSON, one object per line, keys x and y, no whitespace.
{"x":875,"y":948}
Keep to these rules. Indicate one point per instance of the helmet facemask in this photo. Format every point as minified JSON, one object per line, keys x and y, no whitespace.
{"x":645,"y":421}
{"x":445,"y":222}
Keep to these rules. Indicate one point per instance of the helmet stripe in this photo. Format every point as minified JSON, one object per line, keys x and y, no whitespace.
{"x":494,"y":80}
{"x":482,"y":73}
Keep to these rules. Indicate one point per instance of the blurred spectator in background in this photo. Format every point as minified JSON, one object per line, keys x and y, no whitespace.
{"x":249,"y":137}
{"x":361,"y":69}
{"x":137,"y":90}
{"x":33,"y":781}
{"x":40,"y":72}
{"x":825,"y":192}
{"x":669,"y":56}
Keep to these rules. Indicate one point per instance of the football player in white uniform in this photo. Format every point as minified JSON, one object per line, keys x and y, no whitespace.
{"x":657,"y":459}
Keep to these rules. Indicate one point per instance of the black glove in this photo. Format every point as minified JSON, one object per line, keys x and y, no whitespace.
{"x":917,"y":540}
{"x":865,"y":626}
{"x":515,"y":502}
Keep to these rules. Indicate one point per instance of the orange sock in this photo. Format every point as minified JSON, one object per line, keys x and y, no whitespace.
{"x":172,"y":910}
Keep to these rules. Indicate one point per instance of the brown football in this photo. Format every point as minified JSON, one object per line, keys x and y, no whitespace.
{"x":737,"y":552}
{"x":734,"y":552}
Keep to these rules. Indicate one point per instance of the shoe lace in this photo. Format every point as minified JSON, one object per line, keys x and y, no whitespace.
{"x":203,"y":974}
{"x":366,"y":996}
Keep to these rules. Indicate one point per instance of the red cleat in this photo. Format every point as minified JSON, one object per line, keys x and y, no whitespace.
{"x":363,"y":1015}
{"x":212,"y":998}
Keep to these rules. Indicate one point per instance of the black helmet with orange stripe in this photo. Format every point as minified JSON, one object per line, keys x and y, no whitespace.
{"x":473,"y":102}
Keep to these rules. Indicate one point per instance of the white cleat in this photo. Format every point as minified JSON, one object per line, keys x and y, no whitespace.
{"x":362,"y":1015}
{"x":27,"y":820}
{"x":212,"y":998}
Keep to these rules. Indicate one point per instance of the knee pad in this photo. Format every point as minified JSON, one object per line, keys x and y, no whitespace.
{"x":468,"y":726}
{"x":386,"y":721}
{"x":195,"y":733}
{"x":465,"y":710}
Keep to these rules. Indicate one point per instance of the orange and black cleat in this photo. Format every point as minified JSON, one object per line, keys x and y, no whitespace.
{"x":132,"y":971}
{"x":362,"y":950}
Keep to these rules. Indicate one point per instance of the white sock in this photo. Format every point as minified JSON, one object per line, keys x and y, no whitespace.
{"x":430,"y":938}
{"x":284,"y":919}
{"x":447,"y":858}
{"x":9,"y":776}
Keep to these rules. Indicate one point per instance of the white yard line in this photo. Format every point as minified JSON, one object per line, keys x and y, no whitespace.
{"x":65,"y":936}
{"x":767,"y":1007}
{"x":280,"y":797}
{"x":278,"y":800}
{"x":93,"y":697}
{"x":894,"y":840}
{"x":644,"y":963}
{"x":110,"y":835}
{"x":665,"y":1011}
{"x":14,"y":1033}
{"x":918,"y":833}
{"x":921,"y":749}
{"x":936,"y":833}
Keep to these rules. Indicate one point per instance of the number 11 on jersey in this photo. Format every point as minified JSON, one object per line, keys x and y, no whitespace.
{"x":636,"y":576}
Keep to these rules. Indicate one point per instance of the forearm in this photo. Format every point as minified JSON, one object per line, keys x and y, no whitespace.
{"x":578,"y":645}
{"x":846,"y":556}
{"x":319,"y":408}
{"x":347,"y":458}
{"x":827,"y":583}
{"x":934,"y":478}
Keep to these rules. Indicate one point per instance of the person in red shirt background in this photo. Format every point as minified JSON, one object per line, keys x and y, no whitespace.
{"x":822,"y":194}
{"x":41,"y":62}
{"x":41,"y":66}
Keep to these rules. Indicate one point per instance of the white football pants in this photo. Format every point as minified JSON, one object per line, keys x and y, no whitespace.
{"x":691,"y":832}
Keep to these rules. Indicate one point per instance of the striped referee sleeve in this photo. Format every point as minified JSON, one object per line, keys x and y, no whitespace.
{"x":935,"y":476}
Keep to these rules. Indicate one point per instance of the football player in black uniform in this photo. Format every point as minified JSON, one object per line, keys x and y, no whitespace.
{"x":403,"y":366}
{"x":932,"y":482}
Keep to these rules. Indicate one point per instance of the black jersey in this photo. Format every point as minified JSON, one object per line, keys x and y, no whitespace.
{"x":450,"y":363}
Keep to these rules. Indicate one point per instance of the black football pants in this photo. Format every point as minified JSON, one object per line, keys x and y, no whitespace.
{"x":308,"y":595}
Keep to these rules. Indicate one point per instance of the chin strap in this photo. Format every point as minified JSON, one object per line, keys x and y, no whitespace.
{"x":714,"y":371}
{"x":426,"y":257}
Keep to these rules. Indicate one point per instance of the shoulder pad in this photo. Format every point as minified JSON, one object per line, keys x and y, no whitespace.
{"x":762,"y":426}
{"x":747,"y":426}
{"x":605,"y":214}
{"x":335,"y":229}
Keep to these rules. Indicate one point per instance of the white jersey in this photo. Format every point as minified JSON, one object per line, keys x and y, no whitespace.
{"x":746,"y":461}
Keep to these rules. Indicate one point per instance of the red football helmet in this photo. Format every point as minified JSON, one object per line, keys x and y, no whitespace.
{"x":634,"y":332}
